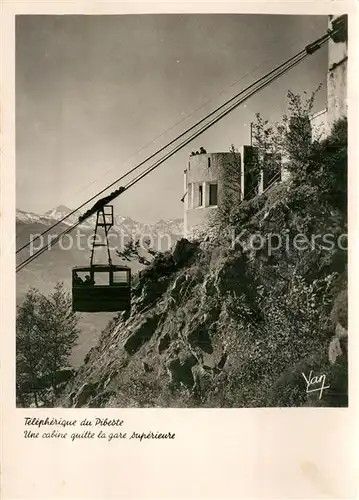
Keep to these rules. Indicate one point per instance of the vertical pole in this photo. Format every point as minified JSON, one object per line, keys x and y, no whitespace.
{"x":107,"y":227}
{"x":251,"y":134}
{"x":185,"y":202}
{"x":242,"y":172}
{"x":94,"y":241}
{"x":108,"y":247}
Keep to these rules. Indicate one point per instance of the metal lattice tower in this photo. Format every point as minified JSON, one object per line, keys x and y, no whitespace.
{"x":104,"y":220}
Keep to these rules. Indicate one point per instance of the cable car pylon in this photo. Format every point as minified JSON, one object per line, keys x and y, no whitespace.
{"x":105,"y":287}
{"x":104,"y":219}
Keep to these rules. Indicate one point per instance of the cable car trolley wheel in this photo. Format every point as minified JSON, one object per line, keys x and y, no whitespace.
{"x":101,"y":288}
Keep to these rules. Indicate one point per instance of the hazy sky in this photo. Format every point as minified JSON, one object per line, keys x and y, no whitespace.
{"x":92,"y":90}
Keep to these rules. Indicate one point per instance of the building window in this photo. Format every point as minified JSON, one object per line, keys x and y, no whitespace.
{"x":200,"y":195}
{"x":213,"y":194}
{"x":209,"y":162}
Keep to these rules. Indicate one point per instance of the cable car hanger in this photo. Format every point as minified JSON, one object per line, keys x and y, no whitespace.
{"x":106,"y":287}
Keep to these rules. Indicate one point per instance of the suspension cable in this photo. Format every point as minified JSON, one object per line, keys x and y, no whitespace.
{"x":205,"y":127}
{"x":188,"y":115}
{"x":273,"y":75}
{"x":160,"y":161}
{"x":160,"y":150}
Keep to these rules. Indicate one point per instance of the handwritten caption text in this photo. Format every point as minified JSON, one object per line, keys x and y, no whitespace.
{"x":105,"y":429}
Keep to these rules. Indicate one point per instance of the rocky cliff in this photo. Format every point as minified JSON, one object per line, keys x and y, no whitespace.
{"x":252,"y":314}
{"x":199,"y":334}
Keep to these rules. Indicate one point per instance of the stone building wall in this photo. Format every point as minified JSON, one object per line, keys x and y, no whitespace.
{"x":204,"y":188}
{"x":337,"y":70}
{"x":323,"y":121}
{"x":319,"y":124}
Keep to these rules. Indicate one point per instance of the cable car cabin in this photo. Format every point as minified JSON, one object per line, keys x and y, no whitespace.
{"x":101,"y":288}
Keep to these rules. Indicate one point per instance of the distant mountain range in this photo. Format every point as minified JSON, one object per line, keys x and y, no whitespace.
{"x":172,"y":226}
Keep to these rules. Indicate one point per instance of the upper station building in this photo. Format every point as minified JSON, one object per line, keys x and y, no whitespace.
{"x":204,"y":182}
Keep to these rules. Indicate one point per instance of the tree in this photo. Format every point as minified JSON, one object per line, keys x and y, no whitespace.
{"x":285,"y":144}
{"x":131,"y":251}
{"x":289,"y":139}
{"x":46,"y":332}
{"x":231,"y":185}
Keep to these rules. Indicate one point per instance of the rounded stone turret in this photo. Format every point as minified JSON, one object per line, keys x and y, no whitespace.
{"x":203,"y":188}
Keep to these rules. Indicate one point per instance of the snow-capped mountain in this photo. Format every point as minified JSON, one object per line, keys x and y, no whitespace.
{"x":49,"y":217}
{"x":60,"y":212}
{"x":123,"y":224}
{"x":31,"y":218}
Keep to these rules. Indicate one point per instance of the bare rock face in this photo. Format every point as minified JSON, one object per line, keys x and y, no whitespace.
{"x":339,"y":313}
{"x":183,"y":251}
{"x":83,"y":394}
{"x":179,"y":287}
{"x":334,"y":350}
{"x":202,"y":379}
{"x":180,"y":370}
{"x":142,"y":334}
{"x":339,"y":344}
{"x":164,"y":343}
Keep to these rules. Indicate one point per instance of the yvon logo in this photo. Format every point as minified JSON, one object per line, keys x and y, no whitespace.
{"x":315,"y":384}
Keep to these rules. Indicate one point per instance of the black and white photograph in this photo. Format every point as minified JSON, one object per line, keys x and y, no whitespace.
{"x":181,"y":211}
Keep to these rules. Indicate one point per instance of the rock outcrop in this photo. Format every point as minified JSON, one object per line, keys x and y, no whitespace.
{"x":201,"y":332}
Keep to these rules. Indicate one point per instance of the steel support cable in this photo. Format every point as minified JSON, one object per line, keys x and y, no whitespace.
{"x":161,"y":150}
{"x":68,"y":230}
{"x":45,"y":247}
{"x":196,"y":134}
{"x":309,"y":49}
{"x":163,"y":159}
{"x":167,"y":156}
{"x":223,"y":91}
{"x":205,"y":127}
{"x":306,"y":53}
